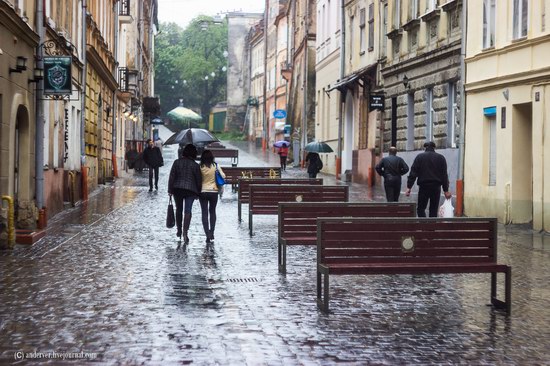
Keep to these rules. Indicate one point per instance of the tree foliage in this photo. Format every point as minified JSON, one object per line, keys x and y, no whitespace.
{"x":183,"y":60}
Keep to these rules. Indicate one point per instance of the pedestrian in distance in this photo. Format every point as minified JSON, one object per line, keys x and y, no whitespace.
{"x":314,"y":164}
{"x":283,"y":154}
{"x":429,"y":170}
{"x":185,"y":184}
{"x":152,"y":156}
{"x":209,"y":193}
{"x":392,"y":167}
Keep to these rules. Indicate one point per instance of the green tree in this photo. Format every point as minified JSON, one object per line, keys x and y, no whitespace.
{"x":190,"y":65}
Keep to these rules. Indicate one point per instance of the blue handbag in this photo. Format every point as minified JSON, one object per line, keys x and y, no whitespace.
{"x":219,"y":179}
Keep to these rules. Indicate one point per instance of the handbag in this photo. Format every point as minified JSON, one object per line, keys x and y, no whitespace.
{"x":219,"y":179}
{"x":170,"y":217}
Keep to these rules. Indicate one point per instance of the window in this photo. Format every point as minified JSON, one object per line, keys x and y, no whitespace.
{"x":384,"y":30}
{"x":492,"y":150}
{"x":488,"y":23}
{"x":397,"y":14}
{"x":362,"y":30}
{"x":431,"y":5}
{"x":371,"y":27}
{"x":521,"y":8}
{"x":413,"y":9}
{"x":393,"y":121}
{"x":429,"y":114}
{"x":451,"y":115}
{"x":543,"y":16}
{"x":351,"y":35}
{"x":410,"y":121}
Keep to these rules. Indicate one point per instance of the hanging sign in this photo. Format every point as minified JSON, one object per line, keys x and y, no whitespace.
{"x":376,"y":101}
{"x":279,"y":114}
{"x":57,"y":75}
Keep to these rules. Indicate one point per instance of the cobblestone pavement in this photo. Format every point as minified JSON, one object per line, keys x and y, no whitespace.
{"x":110,"y":279}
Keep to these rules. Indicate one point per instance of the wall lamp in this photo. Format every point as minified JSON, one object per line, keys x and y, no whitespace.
{"x":38,"y":74}
{"x":20,"y":64}
{"x":406,"y":82}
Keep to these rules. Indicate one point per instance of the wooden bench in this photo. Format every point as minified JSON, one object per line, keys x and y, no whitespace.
{"x":298,"y":221}
{"x":264,"y":199}
{"x":233,"y":154}
{"x":376,"y":246}
{"x":244,"y":184}
{"x":232,"y":174}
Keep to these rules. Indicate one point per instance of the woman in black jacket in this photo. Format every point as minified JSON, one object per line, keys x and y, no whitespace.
{"x":185,"y":184}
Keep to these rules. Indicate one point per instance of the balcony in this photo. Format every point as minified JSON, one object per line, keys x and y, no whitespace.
{"x":124,"y":15}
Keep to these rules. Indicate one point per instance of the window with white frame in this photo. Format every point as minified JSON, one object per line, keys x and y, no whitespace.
{"x":396,"y":14}
{"x":520,"y":18}
{"x":362,"y":31}
{"x":351,"y":35}
{"x":371,"y":26}
{"x":489,"y":14}
{"x":431,"y":5}
{"x":413,"y":9}
{"x":429,"y":113}
{"x":451,"y":114}
{"x":384,"y":30}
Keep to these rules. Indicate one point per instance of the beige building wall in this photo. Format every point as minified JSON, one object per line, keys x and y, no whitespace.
{"x":507,"y":154}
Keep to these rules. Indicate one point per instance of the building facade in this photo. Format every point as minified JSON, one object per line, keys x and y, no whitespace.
{"x":421,"y":76}
{"x":507,"y":137}
{"x":255,"y":102}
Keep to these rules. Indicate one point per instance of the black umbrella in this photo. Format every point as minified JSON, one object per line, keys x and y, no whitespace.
{"x":319,"y":147}
{"x":195,"y":136}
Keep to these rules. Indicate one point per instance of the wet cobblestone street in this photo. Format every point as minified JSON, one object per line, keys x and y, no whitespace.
{"x":110,"y":279}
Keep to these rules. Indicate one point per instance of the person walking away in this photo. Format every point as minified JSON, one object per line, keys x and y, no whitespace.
{"x":392,"y":167}
{"x":429,"y":170}
{"x":283,"y":154}
{"x":152,"y":156}
{"x":314,"y":164}
{"x":209,"y":193}
{"x":185,"y":184}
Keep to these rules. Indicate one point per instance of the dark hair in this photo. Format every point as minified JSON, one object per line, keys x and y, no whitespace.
{"x":189,"y":151}
{"x":149,"y":140}
{"x":393,"y":150}
{"x":429,"y":144}
{"x":207,"y":158}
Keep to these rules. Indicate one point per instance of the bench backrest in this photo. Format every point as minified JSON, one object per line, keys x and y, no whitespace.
{"x":232,"y":174}
{"x":299,"y":220}
{"x":406,"y":240}
{"x":225,"y":153}
{"x":264,"y":199}
{"x":244,"y":184}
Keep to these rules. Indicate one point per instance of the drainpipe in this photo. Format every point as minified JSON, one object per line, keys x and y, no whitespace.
{"x":342,"y":94}
{"x":461,"y":141}
{"x":39,"y":142}
{"x":83,"y":169}
{"x":265,"y":119}
{"x":306,"y":77}
{"x":114,"y":101}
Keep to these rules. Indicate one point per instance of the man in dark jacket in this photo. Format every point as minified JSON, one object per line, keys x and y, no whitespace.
{"x":152,"y":156}
{"x":429,"y":170}
{"x":392,"y":167}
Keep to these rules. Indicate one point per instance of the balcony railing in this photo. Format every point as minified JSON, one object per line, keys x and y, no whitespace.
{"x":124,"y":8}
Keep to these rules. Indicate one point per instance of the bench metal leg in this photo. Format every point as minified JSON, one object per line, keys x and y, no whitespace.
{"x":250,"y":223}
{"x":322,"y":291}
{"x":282,"y":257}
{"x":239,"y":210}
{"x":507,"y":303}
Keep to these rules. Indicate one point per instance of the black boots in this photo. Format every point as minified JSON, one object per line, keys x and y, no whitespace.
{"x":186,"y":224}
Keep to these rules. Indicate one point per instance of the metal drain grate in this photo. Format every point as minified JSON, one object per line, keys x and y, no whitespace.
{"x":239,"y":280}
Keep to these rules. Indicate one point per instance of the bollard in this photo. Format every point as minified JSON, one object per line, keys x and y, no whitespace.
{"x":11,"y":221}
{"x":72,"y":187}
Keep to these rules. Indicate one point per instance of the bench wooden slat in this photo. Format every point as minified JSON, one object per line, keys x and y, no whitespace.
{"x":376,"y":246}
{"x":264,"y":199}
{"x":298,"y":221}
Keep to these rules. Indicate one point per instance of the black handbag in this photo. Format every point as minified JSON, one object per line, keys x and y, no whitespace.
{"x":170,"y":217}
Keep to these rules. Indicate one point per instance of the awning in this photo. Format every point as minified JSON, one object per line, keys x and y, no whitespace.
{"x":343,"y":84}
